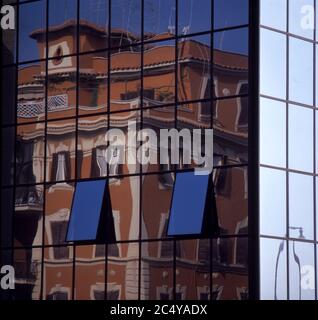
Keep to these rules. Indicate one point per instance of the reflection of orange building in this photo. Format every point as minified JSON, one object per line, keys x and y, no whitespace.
{"x":74,"y":147}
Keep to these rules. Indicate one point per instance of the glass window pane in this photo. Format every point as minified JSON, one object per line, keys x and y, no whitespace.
{"x":94,"y":19}
{"x":86,"y":210}
{"x":32,"y":44}
{"x":125,"y":88}
{"x":31,"y":92}
{"x":272,"y":132}
{"x":188,"y":204}
{"x":58,"y":274}
{"x":123,"y":278}
{"x":126,"y":214}
{"x":301,"y":271}
{"x":273,"y":64}
{"x":157,"y":270}
{"x":155,"y":209}
{"x":159,"y":19}
{"x":93,"y":93}
{"x":272,"y":202}
{"x":126,"y":22}
{"x":159,"y":87}
{"x":231,"y":195}
{"x":193,"y":79}
{"x":194,"y":16}
{"x":60,"y":151}
{"x":91,"y":147}
{"x":301,"y":18}
{"x":301,"y":71}
{"x":274,"y":13}
{"x":58,"y":204}
{"x":89,"y":274}
{"x":301,"y":206}
{"x":229,"y":269}
{"x":192,"y":283}
{"x":300,"y":138}
{"x":229,"y":13}
{"x":232,"y":41}
{"x":273,"y":269}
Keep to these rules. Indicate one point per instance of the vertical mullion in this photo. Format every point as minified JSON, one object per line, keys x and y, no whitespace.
{"x":45,"y":143}
{"x":108,"y":124}
{"x":314,"y":148}
{"x":287,"y":146}
{"x":212,"y":90}
{"x":253,"y":151}
{"x":76,"y":129}
{"x":173,"y":166}
{"x":141,"y":125}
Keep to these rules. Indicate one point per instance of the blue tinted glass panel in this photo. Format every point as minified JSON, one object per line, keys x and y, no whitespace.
{"x":229,"y":13}
{"x":86,"y":209}
{"x":187,"y":209}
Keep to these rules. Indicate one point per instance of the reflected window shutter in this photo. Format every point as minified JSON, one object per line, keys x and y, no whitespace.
{"x":79,"y":163}
{"x":68,"y":168}
{"x":94,"y":167}
{"x":54,"y":166}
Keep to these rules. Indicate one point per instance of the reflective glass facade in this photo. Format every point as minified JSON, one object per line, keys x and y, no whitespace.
{"x":80,"y":68}
{"x":288,"y":150}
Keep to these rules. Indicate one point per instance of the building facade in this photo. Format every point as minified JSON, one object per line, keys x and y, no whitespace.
{"x":74,"y":69}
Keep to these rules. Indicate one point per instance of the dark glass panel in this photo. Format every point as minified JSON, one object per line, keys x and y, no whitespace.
{"x":8,"y":77}
{"x":28,"y":216}
{"x":27,"y":266}
{"x":7,"y":155}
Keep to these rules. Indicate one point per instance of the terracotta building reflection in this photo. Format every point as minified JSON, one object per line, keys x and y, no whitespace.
{"x":76,"y":149}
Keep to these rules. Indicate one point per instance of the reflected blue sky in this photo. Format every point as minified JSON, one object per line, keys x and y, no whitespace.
{"x":273,"y":279}
{"x":274,"y":13}
{"x":272,"y":202}
{"x":86,"y":210}
{"x":272,"y":132}
{"x":188,"y":203}
{"x":300,"y":138}
{"x":273,"y":64}
{"x":301,"y":204}
{"x":194,"y":16}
